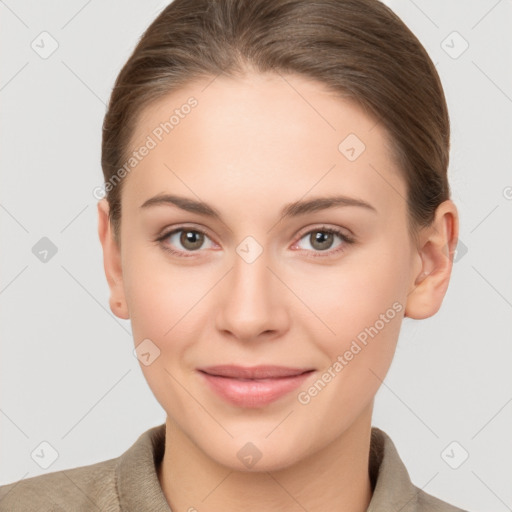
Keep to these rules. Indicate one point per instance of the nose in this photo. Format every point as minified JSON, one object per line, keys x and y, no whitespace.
{"x":251,"y":302}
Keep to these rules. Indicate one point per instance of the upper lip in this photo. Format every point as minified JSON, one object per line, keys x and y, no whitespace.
{"x":253,"y":372}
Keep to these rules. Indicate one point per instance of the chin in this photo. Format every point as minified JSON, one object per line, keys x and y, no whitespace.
{"x":255,"y":456}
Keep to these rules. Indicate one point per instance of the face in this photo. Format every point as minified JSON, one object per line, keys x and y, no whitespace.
{"x":321,"y":288}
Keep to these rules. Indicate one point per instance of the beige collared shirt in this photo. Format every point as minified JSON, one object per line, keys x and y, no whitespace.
{"x":130,"y":483}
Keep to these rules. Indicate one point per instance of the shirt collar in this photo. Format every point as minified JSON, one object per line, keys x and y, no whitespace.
{"x":392,"y":486}
{"x":138,"y":486}
{"x":139,"y":489}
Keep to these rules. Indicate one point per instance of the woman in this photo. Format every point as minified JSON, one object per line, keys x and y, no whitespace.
{"x":276,"y":203}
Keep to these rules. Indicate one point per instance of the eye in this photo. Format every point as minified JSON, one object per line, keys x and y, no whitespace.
{"x":190,"y":239}
{"x":321,"y":239}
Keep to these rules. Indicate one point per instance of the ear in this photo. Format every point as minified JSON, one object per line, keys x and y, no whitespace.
{"x":436,"y":249}
{"x":112,"y":262}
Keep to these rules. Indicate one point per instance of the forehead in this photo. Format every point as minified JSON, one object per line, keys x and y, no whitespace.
{"x":259,"y":133}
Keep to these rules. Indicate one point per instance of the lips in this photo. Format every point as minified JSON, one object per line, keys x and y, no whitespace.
{"x":255,"y":372}
{"x":253,"y":387}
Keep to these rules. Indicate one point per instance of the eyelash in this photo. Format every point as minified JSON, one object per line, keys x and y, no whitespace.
{"x":316,"y":254}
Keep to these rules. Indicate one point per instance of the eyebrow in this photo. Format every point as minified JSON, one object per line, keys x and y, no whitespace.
{"x":290,"y":210}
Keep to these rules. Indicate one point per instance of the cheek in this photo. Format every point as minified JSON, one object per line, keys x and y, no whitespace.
{"x":365,"y":317}
{"x":161,"y":296}
{"x":361,"y":304}
{"x":351,"y":297}
{"x":164,"y":301}
{"x":168,"y":304}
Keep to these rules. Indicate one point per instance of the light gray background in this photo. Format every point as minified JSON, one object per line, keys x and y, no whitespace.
{"x":67,"y":372}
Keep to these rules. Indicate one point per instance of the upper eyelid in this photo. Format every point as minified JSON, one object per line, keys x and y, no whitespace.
{"x":326,"y":227}
{"x":168,"y":232}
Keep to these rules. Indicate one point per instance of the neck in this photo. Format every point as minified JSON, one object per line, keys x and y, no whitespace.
{"x":334,"y":478}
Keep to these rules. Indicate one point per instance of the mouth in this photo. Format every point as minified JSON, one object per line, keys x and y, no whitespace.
{"x":253,"y":386}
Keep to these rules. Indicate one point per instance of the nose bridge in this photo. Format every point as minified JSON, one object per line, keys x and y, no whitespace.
{"x":250,"y":304}
{"x":250,"y":276}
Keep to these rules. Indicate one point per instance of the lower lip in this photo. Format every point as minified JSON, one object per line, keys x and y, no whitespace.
{"x":253,"y":393}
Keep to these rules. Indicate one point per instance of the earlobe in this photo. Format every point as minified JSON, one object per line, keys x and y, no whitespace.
{"x":112,"y":262}
{"x":436,"y":250}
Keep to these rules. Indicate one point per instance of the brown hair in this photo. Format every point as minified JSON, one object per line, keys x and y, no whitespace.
{"x":357,"y":48}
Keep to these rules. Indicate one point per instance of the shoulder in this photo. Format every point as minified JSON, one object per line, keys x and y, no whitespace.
{"x":428,"y":503}
{"x":393,"y":487}
{"x":91,"y":487}
{"x":128,"y":482}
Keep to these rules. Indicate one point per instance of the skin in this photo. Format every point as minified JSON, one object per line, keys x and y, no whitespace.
{"x":252,"y":145}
